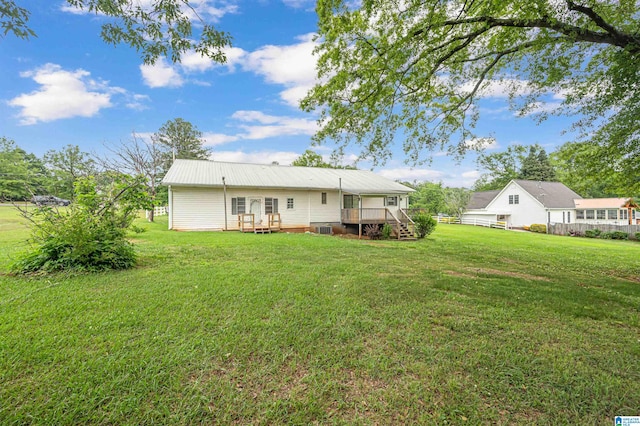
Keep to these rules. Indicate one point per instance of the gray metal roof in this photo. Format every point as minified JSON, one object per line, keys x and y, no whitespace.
{"x":552,"y":195}
{"x":481,"y":199}
{"x":210,"y":173}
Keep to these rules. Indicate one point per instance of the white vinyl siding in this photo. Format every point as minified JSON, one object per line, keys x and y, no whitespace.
{"x":524,"y":209}
{"x":197,"y":209}
{"x":203,"y":208}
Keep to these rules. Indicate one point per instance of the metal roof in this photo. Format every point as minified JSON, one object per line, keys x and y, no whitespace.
{"x":210,"y":173}
{"x":552,"y":195}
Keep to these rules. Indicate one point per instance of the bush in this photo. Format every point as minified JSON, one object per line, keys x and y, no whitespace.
{"x":619,"y":235}
{"x":538,"y":227}
{"x":424,"y":224}
{"x":386,"y":231}
{"x":373,"y":232}
{"x":638,"y":236}
{"x":592,"y":233}
{"x":90,"y":235}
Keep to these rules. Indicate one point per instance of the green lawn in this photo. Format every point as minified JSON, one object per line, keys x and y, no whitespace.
{"x":469,"y":326}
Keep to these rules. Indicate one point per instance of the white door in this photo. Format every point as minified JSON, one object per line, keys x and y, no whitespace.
{"x":255,"y":207}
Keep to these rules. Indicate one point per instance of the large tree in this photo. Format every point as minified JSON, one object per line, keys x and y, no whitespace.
{"x":21,"y":174}
{"x":419,"y":68}
{"x":66,"y":166}
{"x":153,"y":28}
{"x":536,"y":165}
{"x":181,"y":139}
{"x":310,"y":158}
{"x":142,"y":158}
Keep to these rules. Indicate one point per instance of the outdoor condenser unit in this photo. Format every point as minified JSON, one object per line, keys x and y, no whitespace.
{"x":326,"y":230}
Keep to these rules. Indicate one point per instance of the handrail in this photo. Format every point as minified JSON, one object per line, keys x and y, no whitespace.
{"x":409,"y":220}
{"x":396,"y":222}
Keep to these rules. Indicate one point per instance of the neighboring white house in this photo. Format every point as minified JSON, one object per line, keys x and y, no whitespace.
{"x":611,"y":211}
{"x":522,"y":203}
{"x":211,"y":195}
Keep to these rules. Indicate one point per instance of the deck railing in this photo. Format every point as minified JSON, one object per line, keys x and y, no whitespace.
{"x":352,"y":216}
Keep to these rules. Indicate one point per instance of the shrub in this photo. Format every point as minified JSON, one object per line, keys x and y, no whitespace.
{"x":619,"y":235}
{"x":373,"y":232}
{"x":538,"y":227}
{"x":90,"y":235}
{"x":424,"y":224}
{"x":638,"y":236}
{"x":606,"y":235}
{"x":592,"y":233}
{"x":386,"y":231}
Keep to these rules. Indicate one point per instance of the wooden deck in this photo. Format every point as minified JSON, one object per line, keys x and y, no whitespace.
{"x":352,"y":216}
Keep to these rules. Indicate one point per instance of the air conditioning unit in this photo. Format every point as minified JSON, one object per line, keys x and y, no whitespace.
{"x":326,"y":230}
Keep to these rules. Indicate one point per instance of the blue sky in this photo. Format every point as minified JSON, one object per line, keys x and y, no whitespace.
{"x":68,"y":87}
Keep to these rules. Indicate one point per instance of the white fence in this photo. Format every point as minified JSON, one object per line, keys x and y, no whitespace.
{"x":475,"y":222}
{"x":157,"y":211}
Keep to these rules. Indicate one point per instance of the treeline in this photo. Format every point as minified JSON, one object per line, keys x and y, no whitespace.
{"x":23,"y":174}
{"x":569,"y":164}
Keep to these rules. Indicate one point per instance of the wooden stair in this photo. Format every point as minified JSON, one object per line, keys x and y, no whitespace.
{"x":404,"y":233}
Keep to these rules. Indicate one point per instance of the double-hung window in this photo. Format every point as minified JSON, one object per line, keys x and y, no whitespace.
{"x":270,"y":205}
{"x":290,"y":205}
{"x":514,"y":199}
{"x":391,"y":201}
{"x":238,"y":205}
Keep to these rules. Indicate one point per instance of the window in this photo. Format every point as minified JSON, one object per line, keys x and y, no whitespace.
{"x":591,"y":214}
{"x":391,"y":201}
{"x":270,"y":205}
{"x":514,"y":199}
{"x":579,"y":214}
{"x":238,"y":205}
{"x":289,"y":203}
{"x":601,"y":214}
{"x":612,"y":214}
{"x":350,"y":202}
{"x":324,"y":198}
{"x":568,"y":217}
{"x":624,"y":215}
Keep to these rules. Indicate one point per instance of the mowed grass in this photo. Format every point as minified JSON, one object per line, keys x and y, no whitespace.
{"x":469,"y":326}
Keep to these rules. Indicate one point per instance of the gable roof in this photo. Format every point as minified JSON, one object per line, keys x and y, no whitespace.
{"x":552,"y":195}
{"x":210,"y":173}
{"x":481,"y":199}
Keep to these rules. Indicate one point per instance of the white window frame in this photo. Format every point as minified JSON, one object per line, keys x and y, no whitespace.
{"x":291,"y":203}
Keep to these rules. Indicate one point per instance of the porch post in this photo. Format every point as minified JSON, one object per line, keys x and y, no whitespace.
{"x":360,"y":217}
{"x":340,"y":198}
{"x":224,"y":189}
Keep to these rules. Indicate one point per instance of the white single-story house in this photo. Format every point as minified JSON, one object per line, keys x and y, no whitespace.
{"x":212,"y":195}
{"x":523,"y":202}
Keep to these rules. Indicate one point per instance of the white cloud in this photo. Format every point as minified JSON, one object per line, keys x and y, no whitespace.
{"x":410,"y":174}
{"x":255,"y":125}
{"x":481,"y":143}
{"x":196,"y":11}
{"x":161,"y":74}
{"x":473,"y":174}
{"x":62,"y":94}
{"x":213,"y":139}
{"x":271,"y":126}
{"x":499,"y":88}
{"x":256,"y":157}
{"x":292,"y":66}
